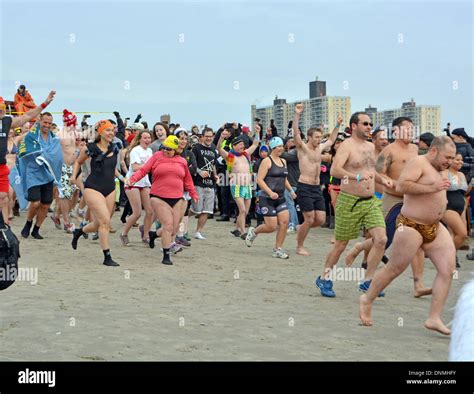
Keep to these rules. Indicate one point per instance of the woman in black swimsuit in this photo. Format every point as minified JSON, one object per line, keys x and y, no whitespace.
{"x":453,"y":217}
{"x":99,"y":188}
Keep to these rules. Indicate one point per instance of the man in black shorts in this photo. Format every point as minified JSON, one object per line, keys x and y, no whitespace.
{"x":39,"y":178}
{"x":310,"y":197}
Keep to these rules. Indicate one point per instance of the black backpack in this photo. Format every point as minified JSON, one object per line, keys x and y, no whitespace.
{"x":9,"y":255}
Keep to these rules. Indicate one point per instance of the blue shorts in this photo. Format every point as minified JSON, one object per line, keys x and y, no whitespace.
{"x":239,"y":191}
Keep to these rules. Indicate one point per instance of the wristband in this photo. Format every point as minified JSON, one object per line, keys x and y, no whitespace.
{"x":121,"y":178}
{"x":43,"y":105}
{"x":358,"y":177}
{"x":338,"y":125}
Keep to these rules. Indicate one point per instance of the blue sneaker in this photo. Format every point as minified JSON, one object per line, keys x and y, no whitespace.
{"x":364,"y":287}
{"x":325,"y":286}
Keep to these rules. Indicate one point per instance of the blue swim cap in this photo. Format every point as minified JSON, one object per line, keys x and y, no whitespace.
{"x":276,"y":141}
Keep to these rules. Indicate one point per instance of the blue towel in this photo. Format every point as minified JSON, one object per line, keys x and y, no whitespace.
{"x":15,"y":181}
{"x":39,"y":160}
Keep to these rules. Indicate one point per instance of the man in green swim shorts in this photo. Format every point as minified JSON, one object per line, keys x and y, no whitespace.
{"x":238,"y":166}
{"x":356,"y":207}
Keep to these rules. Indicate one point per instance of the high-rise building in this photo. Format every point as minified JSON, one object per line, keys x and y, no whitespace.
{"x":318,"y":111}
{"x":425,"y":117}
{"x":317,"y":88}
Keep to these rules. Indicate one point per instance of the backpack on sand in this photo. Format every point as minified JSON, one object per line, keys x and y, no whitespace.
{"x":9,"y":255}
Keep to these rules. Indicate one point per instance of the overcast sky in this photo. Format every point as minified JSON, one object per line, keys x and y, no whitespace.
{"x":208,"y":61}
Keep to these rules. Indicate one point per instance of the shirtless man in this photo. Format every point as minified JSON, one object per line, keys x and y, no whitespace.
{"x":380,"y":141}
{"x":424,"y":203}
{"x":357,"y":206}
{"x":310,"y":197}
{"x":66,"y":193}
{"x":238,"y":165}
{"x":390,"y":163}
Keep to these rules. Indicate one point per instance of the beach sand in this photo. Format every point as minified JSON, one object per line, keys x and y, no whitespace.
{"x":219,"y":301}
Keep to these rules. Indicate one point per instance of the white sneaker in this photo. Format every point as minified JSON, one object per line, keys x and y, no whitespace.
{"x":250,"y":236}
{"x":198,"y":235}
{"x":280,"y":254}
{"x":291,"y":230}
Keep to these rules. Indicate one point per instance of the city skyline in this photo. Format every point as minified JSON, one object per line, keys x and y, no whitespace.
{"x":207,"y":62}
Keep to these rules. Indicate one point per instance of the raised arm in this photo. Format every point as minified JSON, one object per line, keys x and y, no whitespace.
{"x":225,"y":134}
{"x":120,"y":128}
{"x":32,"y":113}
{"x":255,"y":143}
{"x":296,"y":130}
{"x":333,"y":136}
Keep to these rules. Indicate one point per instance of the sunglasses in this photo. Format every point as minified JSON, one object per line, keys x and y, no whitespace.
{"x":167,"y":149}
{"x":367,"y":124}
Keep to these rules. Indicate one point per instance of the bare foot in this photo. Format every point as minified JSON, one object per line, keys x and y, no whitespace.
{"x":437,"y":325}
{"x":353,"y":253}
{"x":365,"y":310}
{"x":302,"y":252}
{"x":421,"y":291}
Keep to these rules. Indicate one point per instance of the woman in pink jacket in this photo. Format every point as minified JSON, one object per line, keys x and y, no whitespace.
{"x":171,"y":178}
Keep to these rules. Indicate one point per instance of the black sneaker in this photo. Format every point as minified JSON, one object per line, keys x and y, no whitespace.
{"x":152,"y":237}
{"x":25,"y":233}
{"x":167,"y":262}
{"x":36,"y":235}
{"x":457,"y":262}
{"x":111,"y":263}
{"x":236,"y":233}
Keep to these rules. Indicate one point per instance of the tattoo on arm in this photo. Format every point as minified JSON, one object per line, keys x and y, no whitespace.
{"x":380,"y":164}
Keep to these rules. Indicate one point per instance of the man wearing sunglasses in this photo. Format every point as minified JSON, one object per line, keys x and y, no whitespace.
{"x":357,"y":207}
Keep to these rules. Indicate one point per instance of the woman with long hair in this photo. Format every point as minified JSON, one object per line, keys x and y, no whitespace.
{"x":272,"y":180}
{"x":99,"y":188}
{"x":160,"y":132}
{"x":453,"y":217}
{"x":171,"y":178}
{"x":139,"y":194}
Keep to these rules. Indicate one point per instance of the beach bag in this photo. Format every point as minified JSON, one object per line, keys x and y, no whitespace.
{"x":9,"y":255}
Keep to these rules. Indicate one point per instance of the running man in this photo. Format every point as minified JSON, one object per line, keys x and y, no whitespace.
{"x":238,"y":166}
{"x":357,"y":206}
{"x":390,"y":163}
{"x":424,"y":202}
{"x":310,"y":197}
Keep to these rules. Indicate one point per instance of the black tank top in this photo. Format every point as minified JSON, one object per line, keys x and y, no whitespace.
{"x":275,"y":179}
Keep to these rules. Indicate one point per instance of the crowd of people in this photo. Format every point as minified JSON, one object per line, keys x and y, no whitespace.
{"x":357,"y":180}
